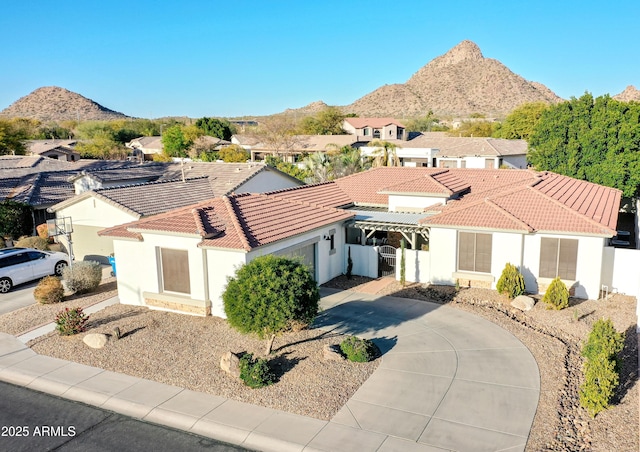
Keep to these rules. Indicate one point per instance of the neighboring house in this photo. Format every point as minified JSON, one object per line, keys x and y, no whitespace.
{"x":54,"y":149}
{"x":460,"y":226}
{"x":103,"y":202}
{"x":147,"y":147}
{"x":375,"y":128}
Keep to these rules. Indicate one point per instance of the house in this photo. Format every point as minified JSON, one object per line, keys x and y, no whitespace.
{"x":375,"y":128}
{"x":102,"y":201}
{"x":147,"y":147}
{"x":54,"y":149}
{"x":461,"y":226}
{"x":180,"y":260}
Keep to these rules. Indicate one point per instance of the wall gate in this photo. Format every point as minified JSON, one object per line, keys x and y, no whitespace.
{"x":386,"y":260}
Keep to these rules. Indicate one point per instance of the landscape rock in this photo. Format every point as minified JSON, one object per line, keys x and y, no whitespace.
{"x":523,"y":302}
{"x":96,"y":340}
{"x":230,"y":363}
{"x":332,"y":353}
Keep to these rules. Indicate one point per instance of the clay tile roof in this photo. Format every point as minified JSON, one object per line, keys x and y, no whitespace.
{"x":443,"y":183}
{"x":326,"y":194}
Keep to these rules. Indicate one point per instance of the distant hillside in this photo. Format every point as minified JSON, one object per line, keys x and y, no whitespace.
{"x":458,"y":83}
{"x":52,"y":103}
{"x":630,"y":93}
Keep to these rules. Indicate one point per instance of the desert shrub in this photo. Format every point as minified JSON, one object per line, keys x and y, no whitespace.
{"x":269,"y":295}
{"x":255,"y":372}
{"x":71,"y":321}
{"x":359,"y":350}
{"x":33,"y":242}
{"x":511,"y":282}
{"x":601,"y":367}
{"x":603,"y":340}
{"x":557,"y":295}
{"x":83,"y":276}
{"x":49,"y":290}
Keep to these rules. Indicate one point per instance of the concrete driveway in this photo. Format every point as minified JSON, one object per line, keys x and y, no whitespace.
{"x":449,"y":380}
{"x":18,"y":297}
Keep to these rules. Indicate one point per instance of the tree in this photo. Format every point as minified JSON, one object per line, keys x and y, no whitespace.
{"x":321,"y":166}
{"x":511,"y":281}
{"x":519,"y":124}
{"x":15,"y":219}
{"x":234,"y":154}
{"x":214,"y":127}
{"x":288,"y":168}
{"x":474,"y":129}
{"x":597,"y":140}
{"x":270,"y":295}
{"x":278,"y":134}
{"x":174,"y":142}
{"x":425,"y":124}
{"x":12,"y":138}
{"x":325,"y":122}
{"x":384,"y":153}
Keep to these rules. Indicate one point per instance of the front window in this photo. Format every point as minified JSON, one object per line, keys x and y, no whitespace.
{"x":558,"y":257}
{"x":174,"y":270}
{"x":474,"y":252}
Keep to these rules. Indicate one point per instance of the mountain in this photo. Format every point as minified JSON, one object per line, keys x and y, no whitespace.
{"x":52,"y":103}
{"x":458,"y":83}
{"x":630,"y":93}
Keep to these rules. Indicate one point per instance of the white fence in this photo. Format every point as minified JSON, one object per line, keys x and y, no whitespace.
{"x":364,"y":258}
{"x":621,"y":271}
{"x":417,"y":265}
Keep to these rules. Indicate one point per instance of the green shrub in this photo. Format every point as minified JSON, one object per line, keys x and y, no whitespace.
{"x":349,"y":264}
{"x":269,"y":295}
{"x":511,"y":282}
{"x":49,"y":290}
{"x":603,"y":340}
{"x":359,"y":350}
{"x":83,"y":276}
{"x":601,"y":367}
{"x":255,"y":372}
{"x":557,"y":295}
{"x":33,"y":242}
{"x":71,"y":321}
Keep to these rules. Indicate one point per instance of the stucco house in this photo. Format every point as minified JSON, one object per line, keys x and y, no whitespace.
{"x":375,"y":128}
{"x":460,"y":226}
{"x":54,"y":149}
{"x":102,"y":202}
{"x":147,"y":147}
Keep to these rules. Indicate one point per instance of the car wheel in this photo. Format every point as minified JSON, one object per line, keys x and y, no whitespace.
{"x":5,"y":285}
{"x":59,"y":267}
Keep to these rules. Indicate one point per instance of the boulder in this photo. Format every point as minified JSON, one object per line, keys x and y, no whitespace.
{"x":332,"y":353}
{"x":523,"y":302}
{"x":230,"y":363}
{"x":96,"y":340}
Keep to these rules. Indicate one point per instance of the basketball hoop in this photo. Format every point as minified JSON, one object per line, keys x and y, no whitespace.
{"x":62,"y":226}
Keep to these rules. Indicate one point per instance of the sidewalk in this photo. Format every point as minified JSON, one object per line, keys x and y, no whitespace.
{"x":448,"y":380}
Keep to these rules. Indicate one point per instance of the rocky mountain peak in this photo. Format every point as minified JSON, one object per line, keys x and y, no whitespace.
{"x":630,"y":93}
{"x":465,"y":51}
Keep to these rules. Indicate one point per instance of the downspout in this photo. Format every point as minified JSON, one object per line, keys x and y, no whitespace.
{"x":205,"y":268}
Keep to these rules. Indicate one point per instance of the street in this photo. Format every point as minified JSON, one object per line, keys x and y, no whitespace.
{"x":31,"y":420}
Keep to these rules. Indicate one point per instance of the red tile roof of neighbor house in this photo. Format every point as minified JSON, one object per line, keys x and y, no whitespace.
{"x":512,"y":200}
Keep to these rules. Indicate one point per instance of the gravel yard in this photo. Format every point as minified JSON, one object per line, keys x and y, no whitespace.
{"x":185,"y":351}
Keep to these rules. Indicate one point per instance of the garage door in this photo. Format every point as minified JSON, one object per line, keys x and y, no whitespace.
{"x":307,"y":255}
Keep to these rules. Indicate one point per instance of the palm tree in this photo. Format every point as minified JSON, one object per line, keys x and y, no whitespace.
{"x":321,"y":166}
{"x":384,"y":153}
{"x":350,"y":162}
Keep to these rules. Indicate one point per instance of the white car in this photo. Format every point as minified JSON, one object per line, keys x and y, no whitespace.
{"x":21,"y":265}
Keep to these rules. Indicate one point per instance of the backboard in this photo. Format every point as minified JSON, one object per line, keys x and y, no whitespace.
{"x":59,"y":226}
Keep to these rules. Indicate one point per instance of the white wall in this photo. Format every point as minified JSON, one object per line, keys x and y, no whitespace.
{"x":365,"y":260}
{"x":442,"y":254}
{"x":138,"y":269}
{"x":515,"y":161}
{"x":95,"y":212}
{"x":475,"y":162}
{"x":265,"y":181}
{"x":591,"y":258}
{"x":506,"y":248}
{"x":626,"y":271}
{"x":417,"y":265}
{"x":400,"y":203}
{"x":221,"y":263}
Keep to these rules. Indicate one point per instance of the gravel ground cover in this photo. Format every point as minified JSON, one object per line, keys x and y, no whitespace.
{"x":169,"y":348}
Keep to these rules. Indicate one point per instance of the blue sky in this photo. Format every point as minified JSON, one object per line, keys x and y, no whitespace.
{"x":211,"y":58}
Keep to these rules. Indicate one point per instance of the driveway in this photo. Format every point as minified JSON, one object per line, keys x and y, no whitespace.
{"x":18,"y":297}
{"x":448,"y":380}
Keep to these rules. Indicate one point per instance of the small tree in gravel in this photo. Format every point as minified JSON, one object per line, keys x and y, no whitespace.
{"x":557,"y":294}
{"x":83,"y":277}
{"x":270,"y":295}
{"x":511,"y":282}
